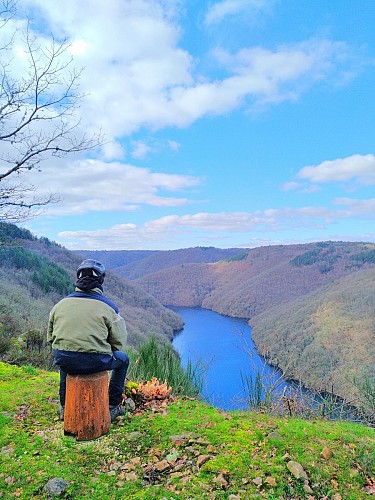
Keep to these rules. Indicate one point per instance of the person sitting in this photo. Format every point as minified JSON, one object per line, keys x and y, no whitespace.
{"x":88,"y":335}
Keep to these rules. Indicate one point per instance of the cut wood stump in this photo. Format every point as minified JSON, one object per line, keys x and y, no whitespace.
{"x":86,"y":414}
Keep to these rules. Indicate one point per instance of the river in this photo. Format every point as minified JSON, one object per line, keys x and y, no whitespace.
{"x":225,"y":347}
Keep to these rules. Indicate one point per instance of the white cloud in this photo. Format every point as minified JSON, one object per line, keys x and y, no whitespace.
{"x":273,"y":76}
{"x":113,"y":150}
{"x":159,"y":233}
{"x":136,"y":74}
{"x":173,"y":145}
{"x":231,"y":221}
{"x":130,"y":54}
{"x":355,"y":207}
{"x":358,"y":168}
{"x":140,"y":149}
{"x":95,"y":185}
{"x":313,"y":188}
{"x":221,"y":10}
{"x":353,"y":171}
{"x":290,"y":186}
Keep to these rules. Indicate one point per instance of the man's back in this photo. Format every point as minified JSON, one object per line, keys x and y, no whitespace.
{"x":86,"y":325}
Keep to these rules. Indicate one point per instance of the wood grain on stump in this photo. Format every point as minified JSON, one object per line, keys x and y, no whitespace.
{"x":86,"y":413}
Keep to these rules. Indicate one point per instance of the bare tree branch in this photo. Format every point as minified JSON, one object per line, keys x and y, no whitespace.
{"x":38,"y":115}
{"x":18,"y":203}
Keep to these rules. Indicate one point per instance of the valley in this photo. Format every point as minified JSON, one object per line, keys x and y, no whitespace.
{"x":311,"y":306}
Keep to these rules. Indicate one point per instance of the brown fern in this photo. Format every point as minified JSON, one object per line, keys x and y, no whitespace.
{"x":154,"y":389}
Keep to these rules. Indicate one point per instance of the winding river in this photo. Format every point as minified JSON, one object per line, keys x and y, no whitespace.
{"x":225,"y":347}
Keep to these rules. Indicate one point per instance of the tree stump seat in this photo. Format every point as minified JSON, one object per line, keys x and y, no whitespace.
{"x":86,"y":414}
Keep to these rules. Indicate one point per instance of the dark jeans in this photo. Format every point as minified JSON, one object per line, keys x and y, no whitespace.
{"x":84,"y":363}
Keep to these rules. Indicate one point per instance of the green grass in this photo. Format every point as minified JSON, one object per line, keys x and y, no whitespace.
{"x":125,"y":462}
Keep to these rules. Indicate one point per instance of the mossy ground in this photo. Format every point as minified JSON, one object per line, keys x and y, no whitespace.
{"x":185,"y":450}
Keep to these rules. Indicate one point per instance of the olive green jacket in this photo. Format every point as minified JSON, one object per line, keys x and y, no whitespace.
{"x":86,"y":324}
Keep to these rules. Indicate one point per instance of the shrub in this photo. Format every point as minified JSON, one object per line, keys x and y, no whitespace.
{"x":159,"y":360}
{"x":34,"y":339}
{"x":5,"y":344}
{"x":132,"y":391}
{"x":366,"y":388}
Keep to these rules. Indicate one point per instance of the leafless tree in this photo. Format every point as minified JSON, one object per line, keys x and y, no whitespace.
{"x":38,"y":116}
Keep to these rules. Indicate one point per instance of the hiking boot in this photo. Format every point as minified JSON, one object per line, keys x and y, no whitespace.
{"x":61,"y":412}
{"x":116,"y":411}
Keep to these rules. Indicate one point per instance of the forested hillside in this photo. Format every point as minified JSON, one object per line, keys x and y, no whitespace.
{"x":262,"y":278}
{"x":36,"y":273}
{"x":326,"y":338}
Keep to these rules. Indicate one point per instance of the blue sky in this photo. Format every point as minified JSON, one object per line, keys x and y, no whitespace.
{"x":230,"y":123}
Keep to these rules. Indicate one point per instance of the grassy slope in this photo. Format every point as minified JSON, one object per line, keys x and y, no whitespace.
{"x":125,"y":463}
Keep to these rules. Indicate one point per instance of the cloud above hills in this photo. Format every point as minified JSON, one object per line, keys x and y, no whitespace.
{"x":154,"y":233}
{"x":91,"y":185}
{"x":353,"y":171}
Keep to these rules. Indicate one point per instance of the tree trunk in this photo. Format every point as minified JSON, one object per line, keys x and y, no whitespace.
{"x":86,"y":413}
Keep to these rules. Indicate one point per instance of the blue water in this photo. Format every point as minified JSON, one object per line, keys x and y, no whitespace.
{"x":225,"y":346}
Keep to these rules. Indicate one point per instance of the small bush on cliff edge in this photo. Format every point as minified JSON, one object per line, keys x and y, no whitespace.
{"x":155,"y":359}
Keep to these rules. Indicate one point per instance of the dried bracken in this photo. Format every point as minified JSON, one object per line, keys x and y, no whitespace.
{"x":154,"y":389}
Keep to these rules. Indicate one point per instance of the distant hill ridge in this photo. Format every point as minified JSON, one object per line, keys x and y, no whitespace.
{"x":115,"y":258}
{"x":264,"y":277}
{"x":133,"y":264}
